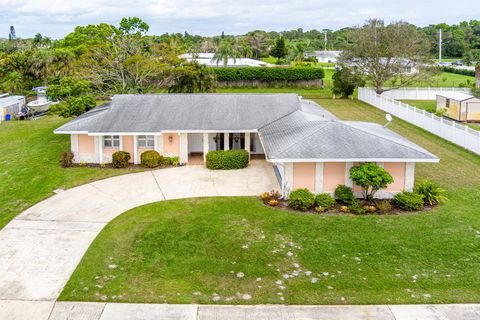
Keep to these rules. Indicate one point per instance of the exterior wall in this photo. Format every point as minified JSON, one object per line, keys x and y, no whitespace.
{"x":453,"y":111}
{"x":84,"y":148}
{"x":171,"y":148}
{"x":304,"y":175}
{"x":397,"y":171}
{"x":441,"y":103}
{"x":473,"y":109}
{"x":333,"y":175}
{"x":128,"y":146}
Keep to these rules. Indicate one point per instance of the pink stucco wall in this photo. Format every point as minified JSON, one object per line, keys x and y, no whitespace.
{"x":304,"y":175}
{"x":110,"y":150}
{"x":397,"y":171}
{"x":171,"y":148}
{"x":128,"y":146}
{"x":86,"y":144}
{"x":333,"y":175}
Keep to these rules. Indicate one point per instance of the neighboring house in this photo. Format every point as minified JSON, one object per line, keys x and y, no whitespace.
{"x":9,"y":105}
{"x":307,"y":145}
{"x":325,"y":56}
{"x":207,"y":59}
{"x":459,"y":106}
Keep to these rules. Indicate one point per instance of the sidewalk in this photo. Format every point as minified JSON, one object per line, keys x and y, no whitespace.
{"x":49,"y":310}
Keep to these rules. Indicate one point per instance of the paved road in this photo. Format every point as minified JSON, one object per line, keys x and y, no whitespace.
{"x":50,"y":310}
{"x":41,"y":248}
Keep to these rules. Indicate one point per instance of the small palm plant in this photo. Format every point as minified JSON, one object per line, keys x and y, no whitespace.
{"x":431,"y":192}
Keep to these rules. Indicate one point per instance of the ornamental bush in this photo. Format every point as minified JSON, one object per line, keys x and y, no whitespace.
{"x":371,"y":177}
{"x":120,"y":159}
{"x":344,"y":194}
{"x":268,"y":74}
{"x":227,"y":159}
{"x":150,"y":159}
{"x":431,"y":192}
{"x":409,"y":201}
{"x":66,"y":159}
{"x":301,"y":199}
{"x":324,"y":200}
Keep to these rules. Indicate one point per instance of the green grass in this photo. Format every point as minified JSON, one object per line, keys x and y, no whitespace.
{"x":171,"y":251}
{"x":29,"y":155}
{"x":427,"y":105}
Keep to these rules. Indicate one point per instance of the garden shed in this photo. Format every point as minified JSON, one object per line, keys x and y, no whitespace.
{"x":459,"y":106}
{"x":10,"y":105}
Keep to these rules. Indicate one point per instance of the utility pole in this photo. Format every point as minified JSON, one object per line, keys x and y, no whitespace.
{"x":440,"y":45}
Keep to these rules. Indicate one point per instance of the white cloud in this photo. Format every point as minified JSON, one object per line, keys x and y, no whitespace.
{"x":57,"y":18}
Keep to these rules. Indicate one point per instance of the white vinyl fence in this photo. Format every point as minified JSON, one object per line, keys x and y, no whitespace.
{"x":450,"y":130}
{"x":420,"y":93}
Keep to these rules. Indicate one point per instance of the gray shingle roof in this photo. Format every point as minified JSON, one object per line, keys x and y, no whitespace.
{"x":289,"y":128}
{"x":297,"y":137}
{"x":159,"y":112}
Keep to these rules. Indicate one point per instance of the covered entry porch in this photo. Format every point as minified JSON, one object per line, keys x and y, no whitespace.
{"x":199,"y":144}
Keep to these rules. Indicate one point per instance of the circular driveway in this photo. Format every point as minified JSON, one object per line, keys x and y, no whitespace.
{"x":41,"y":247}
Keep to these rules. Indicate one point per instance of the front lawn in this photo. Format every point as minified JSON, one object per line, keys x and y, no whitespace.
{"x":30,"y":171}
{"x":238,"y":251}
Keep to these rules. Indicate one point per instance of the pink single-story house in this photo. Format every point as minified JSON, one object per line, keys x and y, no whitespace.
{"x":307,"y":146}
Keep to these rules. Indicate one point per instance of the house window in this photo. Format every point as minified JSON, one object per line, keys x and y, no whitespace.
{"x":146,"y":141}
{"x":447,"y":103}
{"x":111,"y":141}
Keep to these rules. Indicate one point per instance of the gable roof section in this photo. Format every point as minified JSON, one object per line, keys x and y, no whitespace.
{"x":458,"y":96}
{"x":295,"y":139}
{"x":185,"y":112}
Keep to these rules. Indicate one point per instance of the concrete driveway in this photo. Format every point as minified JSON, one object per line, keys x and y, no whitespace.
{"x":41,"y":247}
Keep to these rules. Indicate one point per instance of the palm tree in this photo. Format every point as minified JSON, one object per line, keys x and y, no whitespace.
{"x":299,"y":49}
{"x":13,"y":82}
{"x":225,"y":51}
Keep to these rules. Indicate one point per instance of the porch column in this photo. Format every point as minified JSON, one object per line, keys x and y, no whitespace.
{"x":409,"y":176}
{"x":135,"y":149}
{"x":247,"y":143}
{"x":183,"y":147}
{"x":226,"y":141}
{"x":348,"y":181}
{"x":100,"y":149}
{"x":206,"y":146}
{"x":159,"y":143}
{"x":319,"y":177}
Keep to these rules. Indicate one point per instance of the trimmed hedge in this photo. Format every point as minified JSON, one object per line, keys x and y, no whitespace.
{"x":324,"y":200}
{"x":344,"y":194}
{"x":463,"y":72}
{"x":227,"y":159}
{"x":409,"y":201}
{"x":301,"y":199}
{"x":120,"y":159}
{"x":268,"y":74}
{"x":150,"y":158}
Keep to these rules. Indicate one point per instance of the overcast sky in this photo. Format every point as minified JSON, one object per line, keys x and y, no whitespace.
{"x":56,"y":18}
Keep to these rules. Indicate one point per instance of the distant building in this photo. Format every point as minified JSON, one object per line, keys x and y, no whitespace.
{"x":206,"y":58}
{"x":325,"y":56}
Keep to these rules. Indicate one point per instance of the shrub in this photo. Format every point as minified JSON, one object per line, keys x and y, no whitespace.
{"x":150,"y":159}
{"x":273,"y":202}
{"x":268,"y":74}
{"x":355,"y":207}
{"x":409,"y":201}
{"x":227,"y":159}
{"x":465,"y":72}
{"x":174,"y":161}
{"x":344,"y":194}
{"x":164,"y":161}
{"x":301,"y":199}
{"x":324,"y":200}
{"x":66,"y":159}
{"x":120,"y":159}
{"x":384,"y":206}
{"x":431,"y":192}
{"x":272,"y":195}
{"x":345,"y":82}
{"x":371,"y":178}
{"x":73,"y":106}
